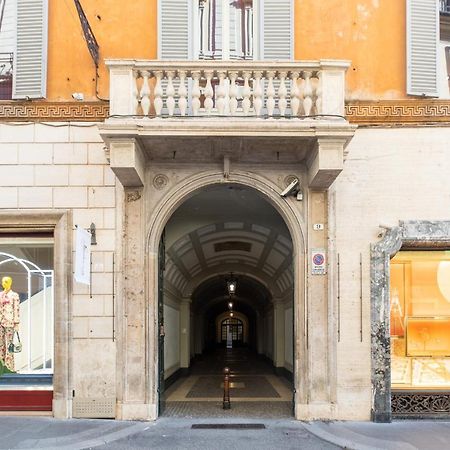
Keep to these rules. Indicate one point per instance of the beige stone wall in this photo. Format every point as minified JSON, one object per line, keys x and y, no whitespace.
{"x":389,"y":175}
{"x":43,"y":168}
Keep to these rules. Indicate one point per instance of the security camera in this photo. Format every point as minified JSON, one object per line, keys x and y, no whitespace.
{"x":291,"y":189}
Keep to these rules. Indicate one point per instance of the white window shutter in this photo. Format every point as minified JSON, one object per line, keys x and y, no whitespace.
{"x":173,"y":31}
{"x":277,"y":29}
{"x":422,"y":44}
{"x":30,"y":57}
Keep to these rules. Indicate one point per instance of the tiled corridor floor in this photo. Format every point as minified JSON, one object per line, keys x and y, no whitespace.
{"x":255,"y":390}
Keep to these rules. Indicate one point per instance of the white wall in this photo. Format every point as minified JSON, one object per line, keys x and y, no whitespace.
{"x":171,"y":340}
{"x":45,"y":168}
{"x":390,"y":174}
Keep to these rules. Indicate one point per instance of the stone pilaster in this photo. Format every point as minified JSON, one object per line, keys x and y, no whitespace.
{"x":133,"y":404}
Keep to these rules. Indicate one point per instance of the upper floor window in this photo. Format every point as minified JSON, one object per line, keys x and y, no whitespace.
{"x":444,"y":6}
{"x":7,"y":47}
{"x":23,"y":49}
{"x":225,"y":29}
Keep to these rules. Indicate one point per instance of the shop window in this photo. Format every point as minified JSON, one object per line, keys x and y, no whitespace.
{"x":420,"y":319}
{"x":26,"y":310}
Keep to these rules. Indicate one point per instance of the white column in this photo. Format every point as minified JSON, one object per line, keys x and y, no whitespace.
{"x":185,"y":332}
{"x":278,"y":333}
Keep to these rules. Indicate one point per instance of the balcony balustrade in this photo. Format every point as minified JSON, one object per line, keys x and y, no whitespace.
{"x":262,"y":89}
{"x":444,"y":6}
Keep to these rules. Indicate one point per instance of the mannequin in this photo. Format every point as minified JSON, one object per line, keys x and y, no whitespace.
{"x":9,"y":321}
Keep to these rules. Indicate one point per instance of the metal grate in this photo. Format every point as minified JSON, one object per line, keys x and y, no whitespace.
{"x":94,"y":408}
{"x":228,"y":426}
{"x":410,"y":404}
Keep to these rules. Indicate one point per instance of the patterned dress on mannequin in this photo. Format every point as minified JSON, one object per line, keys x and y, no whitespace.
{"x":9,"y":318}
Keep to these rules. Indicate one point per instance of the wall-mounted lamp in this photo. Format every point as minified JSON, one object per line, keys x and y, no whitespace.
{"x":93,"y":232}
{"x":230,"y":305}
{"x":231,"y":314}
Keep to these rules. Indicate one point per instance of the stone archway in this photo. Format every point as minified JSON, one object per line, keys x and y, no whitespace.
{"x":294,"y":222}
{"x":409,"y":234}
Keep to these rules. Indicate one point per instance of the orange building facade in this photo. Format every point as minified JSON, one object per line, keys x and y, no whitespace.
{"x":153,"y":152}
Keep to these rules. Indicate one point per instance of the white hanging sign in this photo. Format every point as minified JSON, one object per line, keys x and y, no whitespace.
{"x":318,"y":261}
{"x":83,"y":257}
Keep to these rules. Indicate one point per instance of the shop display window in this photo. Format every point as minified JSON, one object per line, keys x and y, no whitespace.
{"x":26,"y":309}
{"x":420,"y":319}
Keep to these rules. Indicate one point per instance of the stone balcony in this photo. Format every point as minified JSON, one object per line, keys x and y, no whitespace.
{"x":257,"y":111}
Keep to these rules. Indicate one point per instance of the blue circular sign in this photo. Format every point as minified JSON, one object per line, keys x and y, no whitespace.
{"x":318,"y":259}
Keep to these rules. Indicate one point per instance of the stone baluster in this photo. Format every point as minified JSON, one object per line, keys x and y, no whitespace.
{"x":209,"y":92}
{"x":145,"y":93}
{"x":233,"y":92}
{"x":295,"y":94}
{"x":282,"y":92}
{"x":135,"y":93}
{"x":182,"y":92}
{"x":257,"y":92}
{"x":170,"y":93}
{"x":196,"y":93}
{"x":246,"y":92}
{"x":319,"y":93}
{"x":221,"y":93}
{"x":307,"y":93}
{"x":158,"y":102}
{"x":270,"y":93}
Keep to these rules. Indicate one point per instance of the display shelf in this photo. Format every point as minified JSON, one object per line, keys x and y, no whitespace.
{"x":428,"y":336}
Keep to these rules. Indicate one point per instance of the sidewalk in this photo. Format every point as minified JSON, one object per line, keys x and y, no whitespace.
{"x":48,"y":433}
{"x":398,"y":435}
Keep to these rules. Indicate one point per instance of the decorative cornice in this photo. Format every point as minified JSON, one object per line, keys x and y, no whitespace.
{"x":33,"y":111}
{"x":360,"y":112}
{"x":398,"y":112}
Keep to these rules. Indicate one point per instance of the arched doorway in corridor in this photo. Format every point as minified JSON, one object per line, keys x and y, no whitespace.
{"x":220,"y":234}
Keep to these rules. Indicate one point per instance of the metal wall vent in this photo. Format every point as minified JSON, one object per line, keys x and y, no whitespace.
{"x":94,"y":408}
{"x":233,"y":246}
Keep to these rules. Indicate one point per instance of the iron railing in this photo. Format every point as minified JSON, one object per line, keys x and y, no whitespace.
{"x":6,"y":76}
{"x":444,"y":6}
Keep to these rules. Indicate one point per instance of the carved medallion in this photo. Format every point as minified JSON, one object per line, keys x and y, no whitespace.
{"x":160,"y":181}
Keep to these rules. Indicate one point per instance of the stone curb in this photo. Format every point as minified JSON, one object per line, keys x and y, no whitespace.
{"x":95,"y":442}
{"x":351,"y":444}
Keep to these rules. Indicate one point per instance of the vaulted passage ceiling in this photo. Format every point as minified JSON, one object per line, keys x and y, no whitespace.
{"x":227,"y":229}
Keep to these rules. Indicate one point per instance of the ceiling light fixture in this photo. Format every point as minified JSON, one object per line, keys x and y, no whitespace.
{"x":231,"y":285}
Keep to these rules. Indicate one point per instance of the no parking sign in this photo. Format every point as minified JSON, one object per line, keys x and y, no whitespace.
{"x":318,"y":261}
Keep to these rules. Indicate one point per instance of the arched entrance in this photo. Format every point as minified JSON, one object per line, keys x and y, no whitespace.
{"x":213,"y":231}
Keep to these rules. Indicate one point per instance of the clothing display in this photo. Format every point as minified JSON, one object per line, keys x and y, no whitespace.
{"x":9,"y":321}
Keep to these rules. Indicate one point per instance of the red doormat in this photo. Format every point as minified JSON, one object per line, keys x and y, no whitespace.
{"x":26,"y":400}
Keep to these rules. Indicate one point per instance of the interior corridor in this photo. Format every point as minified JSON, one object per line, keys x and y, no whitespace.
{"x":226,"y":300}
{"x":255,"y":389}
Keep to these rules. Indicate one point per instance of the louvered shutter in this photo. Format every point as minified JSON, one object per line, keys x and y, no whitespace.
{"x":422,"y":44}
{"x":277,"y":29}
{"x":30,"y":58}
{"x":174,"y":29}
